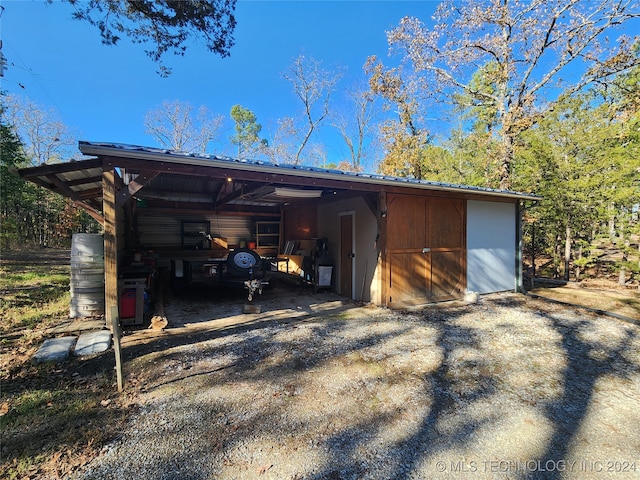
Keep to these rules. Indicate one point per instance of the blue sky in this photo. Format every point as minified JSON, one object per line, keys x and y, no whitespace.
{"x":103,"y":93}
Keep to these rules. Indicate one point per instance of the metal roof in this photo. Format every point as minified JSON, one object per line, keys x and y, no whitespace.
{"x":119,"y":150}
{"x":212,"y":182}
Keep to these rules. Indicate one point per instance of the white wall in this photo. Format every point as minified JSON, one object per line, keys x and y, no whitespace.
{"x":491,"y":246}
{"x":365,"y":231}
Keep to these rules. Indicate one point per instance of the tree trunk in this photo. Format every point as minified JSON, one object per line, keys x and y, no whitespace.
{"x":533,"y":253}
{"x":506,"y":161}
{"x":623,"y":244}
{"x":556,"y":258}
{"x":612,"y":223}
{"x":622,"y":275}
{"x":567,"y":251}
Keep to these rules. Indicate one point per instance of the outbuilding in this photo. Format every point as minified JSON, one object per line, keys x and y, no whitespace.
{"x":373,"y":238}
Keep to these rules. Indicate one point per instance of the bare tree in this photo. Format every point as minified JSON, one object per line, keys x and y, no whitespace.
{"x":282,"y":144}
{"x":355,"y":123}
{"x":533,"y":43}
{"x":313,"y":86}
{"x":44,"y":136}
{"x":403,"y":137}
{"x":174,"y":126}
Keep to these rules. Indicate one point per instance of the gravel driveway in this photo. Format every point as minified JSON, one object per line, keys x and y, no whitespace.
{"x":319,"y":388}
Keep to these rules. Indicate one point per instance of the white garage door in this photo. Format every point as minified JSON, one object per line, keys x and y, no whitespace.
{"x":491,"y":246}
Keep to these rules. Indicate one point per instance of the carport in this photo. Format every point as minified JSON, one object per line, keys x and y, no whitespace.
{"x":386,"y":240}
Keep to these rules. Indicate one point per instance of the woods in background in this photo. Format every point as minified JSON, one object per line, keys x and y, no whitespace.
{"x":30,"y":215}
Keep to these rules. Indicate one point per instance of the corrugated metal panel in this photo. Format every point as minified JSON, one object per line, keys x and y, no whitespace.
{"x":164,"y":231}
{"x":159,"y":231}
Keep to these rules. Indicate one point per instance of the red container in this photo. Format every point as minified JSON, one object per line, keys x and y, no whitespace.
{"x":128,"y":304}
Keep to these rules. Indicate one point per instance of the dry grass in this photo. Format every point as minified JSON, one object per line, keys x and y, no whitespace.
{"x":54,"y":418}
{"x":607,"y":297}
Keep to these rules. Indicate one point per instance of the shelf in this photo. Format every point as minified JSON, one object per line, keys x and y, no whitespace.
{"x":268,"y":235}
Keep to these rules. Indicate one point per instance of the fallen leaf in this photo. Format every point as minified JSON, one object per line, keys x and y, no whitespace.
{"x":263,"y":469}
{"x":104,"y":403}
{"x":4,"y":409}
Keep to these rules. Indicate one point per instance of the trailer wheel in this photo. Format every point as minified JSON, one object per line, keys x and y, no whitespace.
{"x":242,"y":261}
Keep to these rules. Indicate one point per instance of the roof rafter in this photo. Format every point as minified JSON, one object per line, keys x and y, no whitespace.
{"x":134,"y":186}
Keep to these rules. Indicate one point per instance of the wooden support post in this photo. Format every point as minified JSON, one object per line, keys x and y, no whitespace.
{"x":115,"y":330}
{"x":383,"y":259}
{"x":110,"y":242}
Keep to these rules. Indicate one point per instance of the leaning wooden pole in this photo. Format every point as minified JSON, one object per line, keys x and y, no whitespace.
{"x":115,"y":330}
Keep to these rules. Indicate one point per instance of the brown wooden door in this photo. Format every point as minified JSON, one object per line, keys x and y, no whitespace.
{"x":448,"y":252}
{"x":346,"y":255}
{"x":425,"y":249}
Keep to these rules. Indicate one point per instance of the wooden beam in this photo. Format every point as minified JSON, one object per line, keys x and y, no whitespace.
{"x":199,"y":211}
{"x":208,"y":208}
{"x":245,"y":174}
{"x":92,"y":212}
{"x":84,"y":181}
{"x":382,"y":248}
{"x":117,"y":334}
{"x":110,"y":244}
{"x":62,"y":188}
{"x":59,"y":168}
{"x":90,"y":193}
{"x":75,"y":198}
{"x":134,"y":186}
{"x":244,"y":189}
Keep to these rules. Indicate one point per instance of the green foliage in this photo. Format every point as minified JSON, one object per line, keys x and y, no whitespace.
{"x":478,"y":102}
{"x":584,"y":159}
{"x":32,"y":294}
{"x":165,"y":24}
{"x":14,"y":191}
{"x":247,"y":136}
{"x":503,"y":60}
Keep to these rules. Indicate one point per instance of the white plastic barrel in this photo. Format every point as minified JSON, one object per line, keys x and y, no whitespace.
{"x":87,"y":275}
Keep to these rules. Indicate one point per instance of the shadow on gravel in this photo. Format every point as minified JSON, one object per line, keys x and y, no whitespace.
{"x":586,"y":365}
{"x":201,"y":325}
{"x":258,"y":356}
{"x":587,"y":362}
{"x":429,"y":438}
